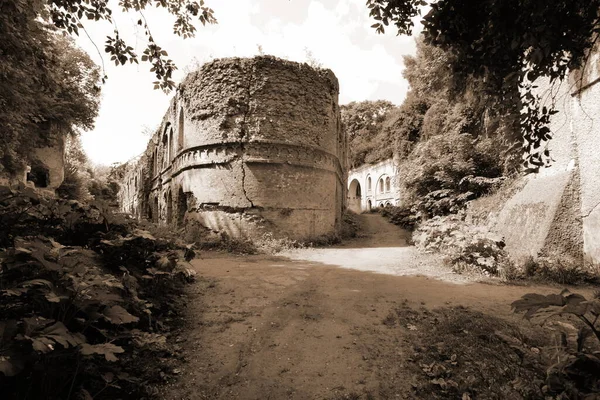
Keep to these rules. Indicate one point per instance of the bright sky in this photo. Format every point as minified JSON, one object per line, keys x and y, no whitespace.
{"x":336,"y":32}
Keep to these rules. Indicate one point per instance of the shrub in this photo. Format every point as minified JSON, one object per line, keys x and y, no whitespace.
{"x":466,"y":247}
{"x":444,"y":172}
{"x":558,"y":268}
{"x":350,"y":225}
{"x":83,"y":297}
{"x":402,"y":216}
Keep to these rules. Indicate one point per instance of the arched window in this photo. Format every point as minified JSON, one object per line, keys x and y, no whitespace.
{"x":165,"y":150}
{"x":380,"y":185}
{"x":169,"y":201}
{"x":182,"y":207}
{"x":155,"y":162}
{"x":171,"y":152}
{"x":388,"y":184}
{"x":180,"y":130}
{"x":369,"y":184}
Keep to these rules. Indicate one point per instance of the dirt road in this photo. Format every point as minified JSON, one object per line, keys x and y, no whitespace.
{"x":276,"y":328}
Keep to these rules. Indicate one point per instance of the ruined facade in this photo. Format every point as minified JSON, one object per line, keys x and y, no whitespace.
{"x":43,"y":167}
{"x":373,"y":185}
{"x":246,"y":146}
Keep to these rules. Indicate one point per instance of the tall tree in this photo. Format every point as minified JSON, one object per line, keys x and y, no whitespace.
{"x":509,"y":43}
{"x":48,"y":87}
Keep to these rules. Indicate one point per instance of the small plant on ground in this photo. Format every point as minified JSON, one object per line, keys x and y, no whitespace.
{"x":268,"y":244}
{"x":575,"y":373}
{"x":558,"y":268}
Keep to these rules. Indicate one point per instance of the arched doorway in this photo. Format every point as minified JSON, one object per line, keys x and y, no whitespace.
{"x":355,"y":196}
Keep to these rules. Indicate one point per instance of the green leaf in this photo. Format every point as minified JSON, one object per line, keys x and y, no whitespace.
{"x":118,"y":315}
{"x":10,"y":365}
{"x":108,"y":350}
{"x":531,"y":303}
{"x":61,"y":335}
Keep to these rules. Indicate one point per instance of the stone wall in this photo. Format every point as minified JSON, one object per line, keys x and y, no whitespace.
{"x":246,"y":146}
{"x":558,"y":210}
{"x":373,"y":185}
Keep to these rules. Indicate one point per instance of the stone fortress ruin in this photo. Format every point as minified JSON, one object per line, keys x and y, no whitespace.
{"x":247,"y":146}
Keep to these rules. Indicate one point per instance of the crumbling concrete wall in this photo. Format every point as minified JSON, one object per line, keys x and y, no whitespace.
{"x":247,"y":146}
{"x":373,"y":185}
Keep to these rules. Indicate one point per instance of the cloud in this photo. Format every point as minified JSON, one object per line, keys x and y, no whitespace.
{"x":336,"y":32}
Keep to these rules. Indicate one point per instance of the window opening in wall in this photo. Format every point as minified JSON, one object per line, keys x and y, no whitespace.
{"x":171,"y":152}
{"x":39,"y":175}
{"x":165,"y":150}
{"x":182,"y":207}
{"x":169,"y":202}
{"x":156,"y":210}
{"x":154,"y":168}
{"x":380,"y":185}
{"x":388,"y":184}
{"x":369,"y":184}
{"x":180,"y":130}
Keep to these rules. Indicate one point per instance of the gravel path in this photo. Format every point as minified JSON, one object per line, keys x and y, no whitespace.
{"x":382,"y":248}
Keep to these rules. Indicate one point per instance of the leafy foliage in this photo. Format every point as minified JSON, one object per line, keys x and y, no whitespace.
{"x":467,"y":247}
{"x":82,"y":296}
{"x":576,"y":372}
{"x":78,"y":174}
{"x":48,"y":87}
{"x":69,"y":16}
{"x":363,"y":122}
{"x":508,"y":43}
{"x":443,"y":173}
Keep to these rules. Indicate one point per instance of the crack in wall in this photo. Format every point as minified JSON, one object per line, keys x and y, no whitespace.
{"x":243,"y":134}
{"x":591,"y":211}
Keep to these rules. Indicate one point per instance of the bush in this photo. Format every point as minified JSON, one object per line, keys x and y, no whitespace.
{"x":402,"y":216}
{"x":557,"y":268}
{"x":350,"y":225}
{"x":467,"y":247}
{"x":444,"y":172}
{"x":84,"y":297}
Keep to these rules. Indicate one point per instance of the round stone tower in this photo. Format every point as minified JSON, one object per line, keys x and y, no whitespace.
{"x":251,"y":146}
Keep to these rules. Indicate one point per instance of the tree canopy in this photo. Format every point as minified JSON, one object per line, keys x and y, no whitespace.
{"x":509,"y":43}
{"x":70,"y":15}
{"x":47,"y":84}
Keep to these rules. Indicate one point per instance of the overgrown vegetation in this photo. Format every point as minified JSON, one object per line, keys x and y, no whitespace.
{"x":458,"y":353}
{"x":505,"y":45}
{"x":467,"y":248}
{"x":575,"y":371}
{"x":84,"y":297}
